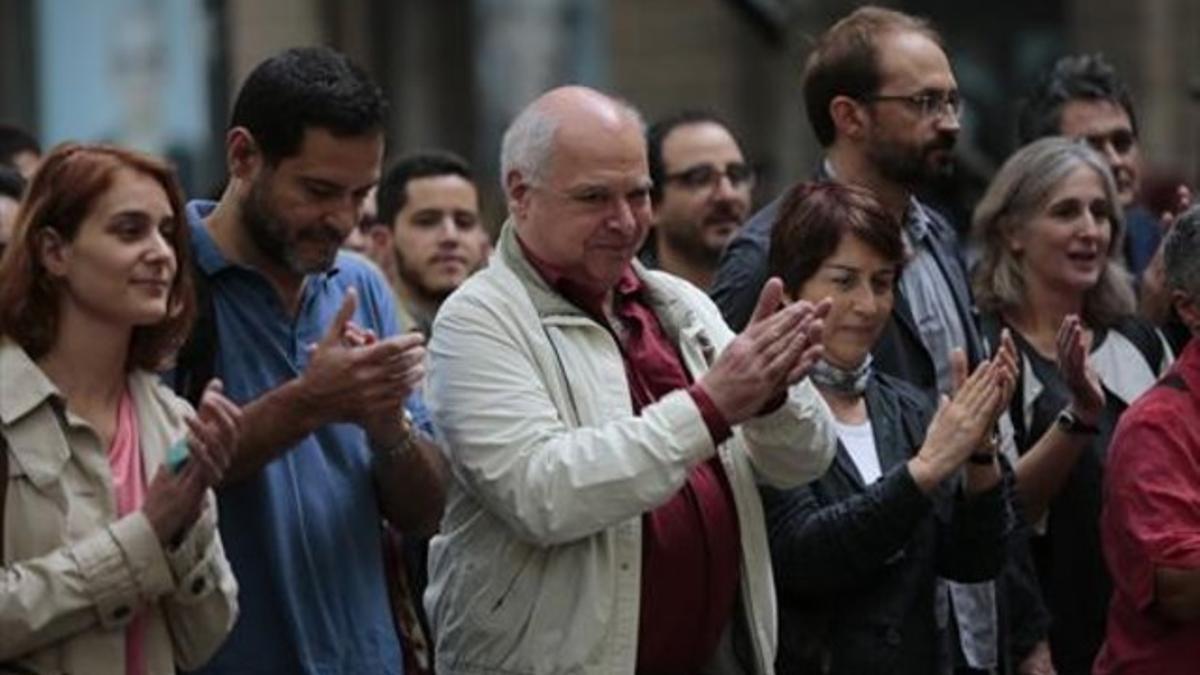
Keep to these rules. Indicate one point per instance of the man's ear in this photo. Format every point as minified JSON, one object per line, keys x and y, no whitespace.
{"x":1187,"y":309}
{"x":242,"y":154}
{"x":849,"y":117}
{"x":381,"y":237}
{"x":53,"y":252}
{"x":517,"y":192}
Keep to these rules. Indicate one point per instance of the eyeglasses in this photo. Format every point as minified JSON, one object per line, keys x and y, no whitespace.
{"x":929,"y":103}
{"x":702,"y":176}
{"x":1121,"y":141}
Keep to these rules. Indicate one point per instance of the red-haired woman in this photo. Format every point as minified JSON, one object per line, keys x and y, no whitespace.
{"x":111,"y":558}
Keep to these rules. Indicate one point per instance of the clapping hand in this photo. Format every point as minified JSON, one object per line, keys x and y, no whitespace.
{"x":1087,"y":393}
{"x":175,"y":496}
{"x":778,"y":348}
{"x":964,"y":420}
{"x":354,"y":376}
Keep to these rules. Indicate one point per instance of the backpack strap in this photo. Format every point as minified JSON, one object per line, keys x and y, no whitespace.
{"x":1146,"y":339}
{"x":196,"y":362}
{"x":989,"y":329}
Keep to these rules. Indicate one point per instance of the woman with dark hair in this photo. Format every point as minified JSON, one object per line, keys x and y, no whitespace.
{"x":111,"y":558}
{"x":857,"y":553}
{"x":1048,"y":229}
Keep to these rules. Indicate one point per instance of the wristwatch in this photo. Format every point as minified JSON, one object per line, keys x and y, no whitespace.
{"x":404,"y":445}
{"x":1069,"y":423}
{"x":987,"y":455}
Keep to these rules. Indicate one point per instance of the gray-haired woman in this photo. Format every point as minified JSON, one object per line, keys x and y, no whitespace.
{"x":1047,"y":229}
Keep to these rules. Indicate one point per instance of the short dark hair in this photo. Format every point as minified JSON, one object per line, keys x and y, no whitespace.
{"x":302,"y":88}
{"x":13,"y":141}
{"x":66,"y":187}
{"x":393,"y":188}
{"x":12,"y":184}
{"x":845,"y":61}
{"x":814,"y":218}
{"x":1082,"y":77}
{"x":657,"y":133}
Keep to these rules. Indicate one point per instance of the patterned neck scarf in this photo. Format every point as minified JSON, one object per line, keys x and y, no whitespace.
{"x":840,"y":380}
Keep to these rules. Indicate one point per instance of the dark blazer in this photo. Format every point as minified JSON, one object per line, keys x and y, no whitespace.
{"x":855,"y":565}
{"x":900,"y":352}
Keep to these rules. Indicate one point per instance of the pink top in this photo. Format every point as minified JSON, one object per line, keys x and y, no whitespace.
{"x":129,"y":484}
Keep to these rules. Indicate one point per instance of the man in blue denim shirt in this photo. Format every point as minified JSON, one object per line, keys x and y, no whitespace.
{"x":308,"y":343}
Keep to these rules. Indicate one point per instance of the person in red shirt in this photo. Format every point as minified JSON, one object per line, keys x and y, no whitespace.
{"x":1150,"y":525}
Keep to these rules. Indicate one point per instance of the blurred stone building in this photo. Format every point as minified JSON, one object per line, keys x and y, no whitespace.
{"x":456,"y":70}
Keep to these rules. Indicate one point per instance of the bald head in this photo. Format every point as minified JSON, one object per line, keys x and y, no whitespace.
{"x":578,"y":185}
{"x":570,"y":112}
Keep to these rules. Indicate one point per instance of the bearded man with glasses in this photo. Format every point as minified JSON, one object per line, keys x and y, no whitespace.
{"x":883,"y":102}
{"x":701,"y":194}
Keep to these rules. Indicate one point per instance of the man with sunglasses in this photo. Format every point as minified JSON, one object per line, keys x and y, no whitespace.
{"x":1082,"y":97}
{"x":884,"y":104}
{"x":700,"y":196}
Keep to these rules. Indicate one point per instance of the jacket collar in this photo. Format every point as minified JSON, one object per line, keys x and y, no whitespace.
{"x":23,"y":386}
{"x":672,"y":311}
{"x":26,"y":388}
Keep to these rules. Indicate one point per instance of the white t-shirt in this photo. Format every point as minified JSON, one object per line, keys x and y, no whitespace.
{"x":859,"y":440}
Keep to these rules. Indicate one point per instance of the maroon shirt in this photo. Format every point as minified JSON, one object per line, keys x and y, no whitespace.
{"x":691,"y":544}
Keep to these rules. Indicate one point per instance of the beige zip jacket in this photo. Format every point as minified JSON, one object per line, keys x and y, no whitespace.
{"x":537,"y":567}
{"x":73,"y":573}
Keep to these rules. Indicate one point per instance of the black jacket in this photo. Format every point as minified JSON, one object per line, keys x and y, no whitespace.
{"x":855,"y":566}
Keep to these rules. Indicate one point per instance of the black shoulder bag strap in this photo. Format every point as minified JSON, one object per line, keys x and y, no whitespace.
{"x":196,"y":363}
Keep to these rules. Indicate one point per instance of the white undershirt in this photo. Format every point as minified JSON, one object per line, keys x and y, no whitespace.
{"x":859,"y":440}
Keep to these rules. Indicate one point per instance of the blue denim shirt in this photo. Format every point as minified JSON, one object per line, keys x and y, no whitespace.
{"x":302,"y":534}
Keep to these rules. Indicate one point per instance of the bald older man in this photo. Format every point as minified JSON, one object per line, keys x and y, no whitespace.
{"x":606,"y":429}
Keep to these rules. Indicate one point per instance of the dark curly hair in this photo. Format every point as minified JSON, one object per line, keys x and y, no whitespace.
{"x":1082,"y":77}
